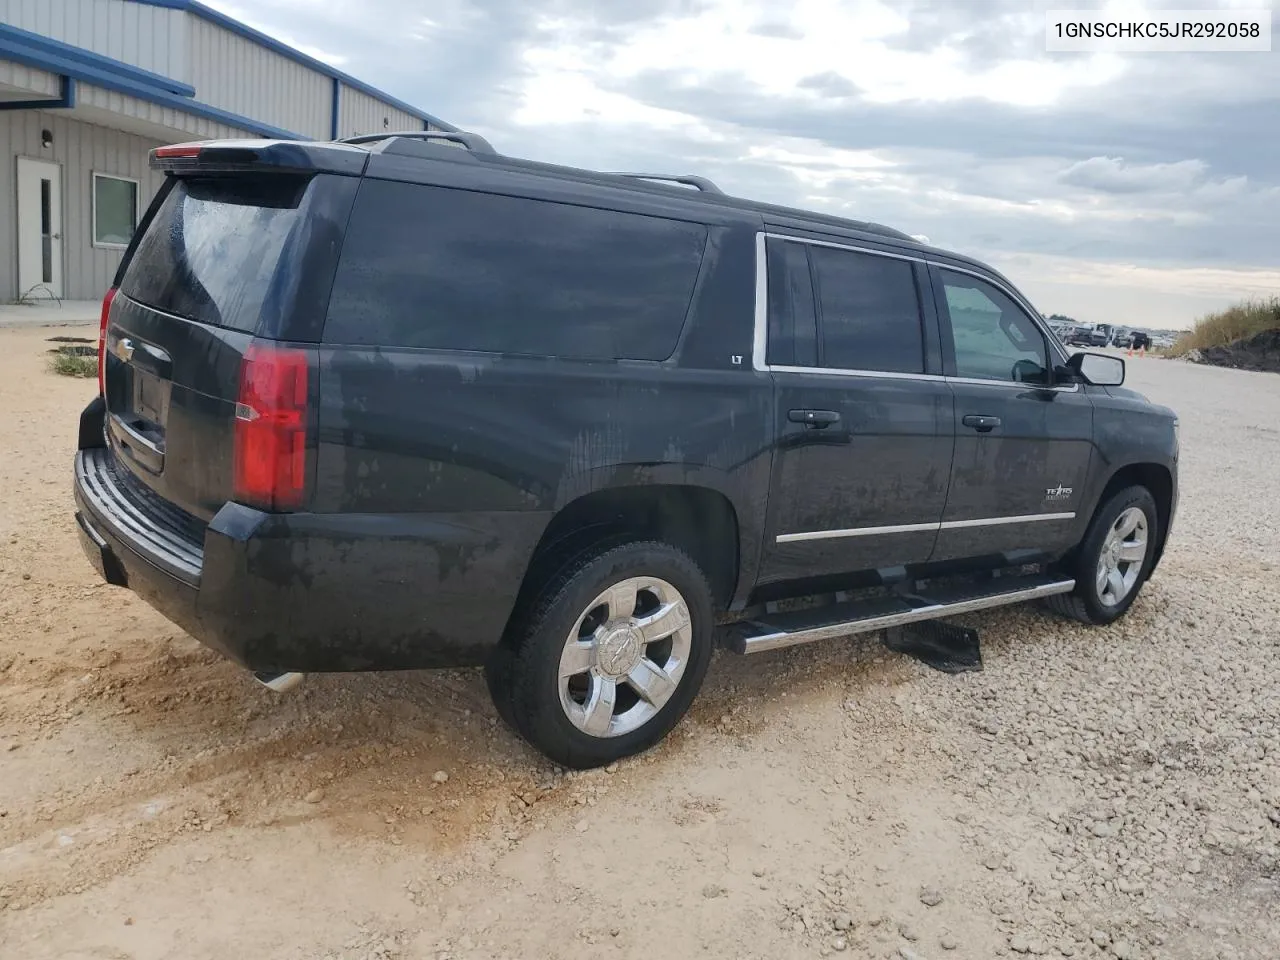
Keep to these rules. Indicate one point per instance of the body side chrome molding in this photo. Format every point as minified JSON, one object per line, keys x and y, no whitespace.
{"x":997,"y":521}
{"x":857,"y":532}
{"x":919,"y":527}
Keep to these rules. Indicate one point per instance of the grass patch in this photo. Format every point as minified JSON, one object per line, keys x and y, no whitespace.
{"x":67,"y":363}
{"x":1225,"y":327}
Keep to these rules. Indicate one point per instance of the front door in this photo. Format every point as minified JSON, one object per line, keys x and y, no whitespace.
{"x":864,"y":424}
{"x":39,"y":228}
{"x":1023,"y":445}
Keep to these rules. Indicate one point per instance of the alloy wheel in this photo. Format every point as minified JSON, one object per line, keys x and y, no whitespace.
{"x":624,"y":657}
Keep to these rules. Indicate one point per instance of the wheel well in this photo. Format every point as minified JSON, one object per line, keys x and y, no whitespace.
{"x":1155,"y":478}
{"x":699,"y":521}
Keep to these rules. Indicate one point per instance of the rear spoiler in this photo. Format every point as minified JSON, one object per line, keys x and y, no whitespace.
{"x":268,"y":156}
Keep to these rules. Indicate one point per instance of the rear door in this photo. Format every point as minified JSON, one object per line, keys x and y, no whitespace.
{"x":1023,"y":445}
{"x":223,"y":259}
{"x":863,"y":414}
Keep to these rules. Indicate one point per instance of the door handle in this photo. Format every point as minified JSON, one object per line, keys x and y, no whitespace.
{"x":981,"y":424}
{"x":814,"y":418}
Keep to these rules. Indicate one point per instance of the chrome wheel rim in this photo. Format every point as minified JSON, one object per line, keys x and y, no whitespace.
{"x":1123,"y":551}
{"x":624,"y":657}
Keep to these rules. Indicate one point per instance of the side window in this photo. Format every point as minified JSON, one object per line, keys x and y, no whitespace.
{"x":791,"y":318}
{"x":994,"y":337}
{"x":869,"y":312}
{"x":457,"y":270}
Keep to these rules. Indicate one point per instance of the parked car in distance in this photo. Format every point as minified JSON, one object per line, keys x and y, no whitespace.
{"x":1136,"y":340}
{"x":1102,"y":334}
{"x":1081,"y":336}
{"x":391,"y":404}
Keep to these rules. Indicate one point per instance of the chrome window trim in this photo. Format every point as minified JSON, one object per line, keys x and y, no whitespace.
{"x":927,"y":377}
{"x":844,"y":246}
{"x":919,"y":527}
{"x":760,"y":333}
{"x":978,"y":382}
{"x":874,"y":374}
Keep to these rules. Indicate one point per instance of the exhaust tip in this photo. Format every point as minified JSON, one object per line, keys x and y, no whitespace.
{"x":280,"y":682}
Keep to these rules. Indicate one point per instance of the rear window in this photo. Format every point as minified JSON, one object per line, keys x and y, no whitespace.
{"x":212,"y":251}
{"x":456,"y":270}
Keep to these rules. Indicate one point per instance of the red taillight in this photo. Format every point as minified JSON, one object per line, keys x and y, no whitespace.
{"x":102,"y":340}
{"x":177,"y":151}
{"x":271,"y":428}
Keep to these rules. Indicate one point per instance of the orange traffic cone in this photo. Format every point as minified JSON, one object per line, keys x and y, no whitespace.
{"x":1131,"y":350}
{"x":1144,"y":352}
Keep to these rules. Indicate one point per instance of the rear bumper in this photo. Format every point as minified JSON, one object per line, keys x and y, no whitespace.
{"x":310,"y":592}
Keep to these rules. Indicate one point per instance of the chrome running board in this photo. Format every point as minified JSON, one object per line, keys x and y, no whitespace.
{"x":775,"y":631}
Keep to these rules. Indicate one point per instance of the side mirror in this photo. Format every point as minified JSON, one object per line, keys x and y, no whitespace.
{"x":1097,"y":369}
{"x":1028,"y":371}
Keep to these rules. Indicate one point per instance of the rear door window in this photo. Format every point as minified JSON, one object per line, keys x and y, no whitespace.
{"x":792,"y":337}
{"x":452,"y":269}
{"x":213,"y":250}
{"x":868,"y":312}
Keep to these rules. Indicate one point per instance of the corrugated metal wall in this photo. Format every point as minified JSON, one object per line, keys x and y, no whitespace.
{"x":148,"y":37}
{"x":27,"y":78}
{"x":228,"y":71}
{"x":360,"y":113}
{"x":82,"y":149}
{"x":91,"y":97}
{"x":236,"y":74}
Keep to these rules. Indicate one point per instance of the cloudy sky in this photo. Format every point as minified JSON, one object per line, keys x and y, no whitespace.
{"x":1131,"y":188}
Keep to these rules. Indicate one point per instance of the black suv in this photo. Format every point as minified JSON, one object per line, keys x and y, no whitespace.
{"x":406,"y":403}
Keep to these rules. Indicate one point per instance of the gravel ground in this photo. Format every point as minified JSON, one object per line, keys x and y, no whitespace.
{"x":1092,"y":793}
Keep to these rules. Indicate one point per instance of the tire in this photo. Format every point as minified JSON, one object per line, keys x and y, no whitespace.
{"x":497,"y":677}
{"x":584,"y":642}
{"x":1098,"y":603}
{"x":498,"y":668}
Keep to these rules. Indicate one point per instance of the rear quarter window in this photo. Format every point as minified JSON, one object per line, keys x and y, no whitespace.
{"x":457,"y":270}
{"x":212,"y":252}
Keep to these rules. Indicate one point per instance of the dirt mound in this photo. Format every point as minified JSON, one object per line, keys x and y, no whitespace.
{"x":1259,"y":352}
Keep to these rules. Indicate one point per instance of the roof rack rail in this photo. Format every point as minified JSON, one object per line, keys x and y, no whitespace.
{"x":689,"y":180}
{"x":472,"y":141}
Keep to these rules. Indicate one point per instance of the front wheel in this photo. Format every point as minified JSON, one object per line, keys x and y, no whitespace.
{"x":611,"y":656}
{"x":1113,"y":560}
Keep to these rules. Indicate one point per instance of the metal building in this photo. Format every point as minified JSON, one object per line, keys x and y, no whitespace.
{"x":89,"y":87}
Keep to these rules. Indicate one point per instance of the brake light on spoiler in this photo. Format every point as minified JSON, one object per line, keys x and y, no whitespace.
{"x":212,"y":155}
{"x":270,"y":458}
{"x":179,"y":151}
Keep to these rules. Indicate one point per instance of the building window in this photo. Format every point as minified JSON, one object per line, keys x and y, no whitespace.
{"x":115,"y":210}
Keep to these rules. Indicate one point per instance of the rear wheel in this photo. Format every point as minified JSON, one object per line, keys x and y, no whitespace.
{"x":1113,"y":560}
{"x":611,"y":656}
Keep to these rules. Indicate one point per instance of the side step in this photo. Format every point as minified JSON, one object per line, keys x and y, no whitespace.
{"x":866,"y":616}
